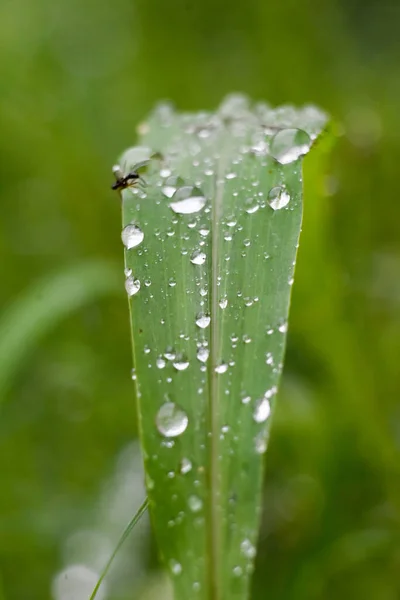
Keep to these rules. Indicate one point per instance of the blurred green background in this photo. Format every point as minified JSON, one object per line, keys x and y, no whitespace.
{"x":75,"y":79}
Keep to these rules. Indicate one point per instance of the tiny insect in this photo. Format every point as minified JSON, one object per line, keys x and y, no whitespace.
{"x":129,"y":180}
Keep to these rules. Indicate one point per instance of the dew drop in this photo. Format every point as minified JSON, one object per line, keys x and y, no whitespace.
{"x":198,"y":257}
{"x":237,"y":571}
{"x":262,"y":410}
{"x":176,"y":568}
{"x":186,"y":466}
{"x":187,"y":200}
{"x":222,"y":368}
{"x":289,"y":144}
{"x":132,"y":236}
{"x":278,"y":198}
{"x":252,"y":209}
{"x":260,"y":442}
{"x":223,"y":303}
{"x":132,"y":285}
{"x":203,"y":320}
{"x":170,"y":353}
{"x":133,"y":374}
{"x":168,"y":190}
{"x":195,"y":503}
{"x":160,"y":362}
{"x":283,"y":328}
{"x":203,"y":354}
{"x":230,"y":176}
{"x":181,"y":364}
{"x":247,"y":549}
{"x":171,"y":420}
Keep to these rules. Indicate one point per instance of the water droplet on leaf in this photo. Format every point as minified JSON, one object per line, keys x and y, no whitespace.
{"x":132,"y":285}
{"x":171,"y":421}
{"x":278,"y":198}
{"x":203,"y":320}
{"x":262,"y":410}
{"x":132,"y":236}
{"x":289,"y":144}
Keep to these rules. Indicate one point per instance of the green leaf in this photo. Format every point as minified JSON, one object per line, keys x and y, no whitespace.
{"x":135,"y":519}
{"x":210,"y":251}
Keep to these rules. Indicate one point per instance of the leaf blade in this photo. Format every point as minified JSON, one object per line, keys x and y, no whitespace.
{"x":220,"y":258}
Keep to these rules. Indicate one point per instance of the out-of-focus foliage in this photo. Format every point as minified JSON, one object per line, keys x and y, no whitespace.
{"x":76,"y":77}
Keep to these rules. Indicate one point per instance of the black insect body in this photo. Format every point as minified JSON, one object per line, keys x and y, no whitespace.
{"x":129,"y":180}
{"x":126,"y":181}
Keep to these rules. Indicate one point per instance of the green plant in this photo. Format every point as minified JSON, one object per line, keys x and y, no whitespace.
{"x":210,"y":249}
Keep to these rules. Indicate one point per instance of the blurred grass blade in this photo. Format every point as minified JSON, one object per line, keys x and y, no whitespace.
{"x":43,"y":306}
{"x":211,"y":245}
{"x":122,"y":539}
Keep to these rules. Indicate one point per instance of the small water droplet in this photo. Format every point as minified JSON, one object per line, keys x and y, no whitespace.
{"x":186,"y":466}
{"x":132,"y":236}
{"x":246,"y":399}
{"x":203,"y":320}
{"x":222,"y":368}
{"x":171,"y":420}
{"x":132,"y":285}
{"x":278,"y":198}
{"x":289,"y":144}
{"x":260,"y":442}
{"x":160,"y":362}
{"x":170,"y":353}
{"x":237,"y":571}
{"x":127,"y":272}
{"x":230,"y":176}
{"x":168,"y":190}
{"x":176,"y":568}
{"x":204,"y":232}
{"x":171,"y":282}
{"x":283,"y":328}
{"x":165,"y":173}
{"x":223,"y":303}
{"x":203,"y":354}
{"x":262,"y":410}
{"x":247,"y":549}
{"x":198,"y":257}
{"x":133,"y":374}
{"x":195,"y":503}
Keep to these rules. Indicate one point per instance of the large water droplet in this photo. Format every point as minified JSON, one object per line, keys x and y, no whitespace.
{"x":171,"y":420}
{"x":278,"y":197}
{"x":132,"y":285}
{"x":289,"y":144}
{"x":187,"y":200}
{"x":262,"y":410}
{"x":198,"y":257}
{"x":132,"y":236}
{"x":203,"y":320}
